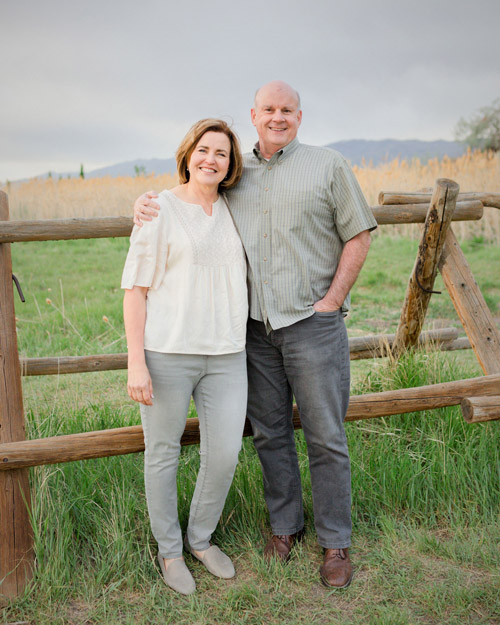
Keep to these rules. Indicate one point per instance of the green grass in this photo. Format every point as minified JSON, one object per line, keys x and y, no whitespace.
{"x":71,"y":288}
{"x":426,"y":486}
{"x":379,"y":292}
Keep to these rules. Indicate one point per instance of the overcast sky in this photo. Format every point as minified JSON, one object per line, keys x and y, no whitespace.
{"x":99,"y":82}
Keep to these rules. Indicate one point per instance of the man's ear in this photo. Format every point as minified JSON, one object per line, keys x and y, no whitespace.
{"x":253,"y":115}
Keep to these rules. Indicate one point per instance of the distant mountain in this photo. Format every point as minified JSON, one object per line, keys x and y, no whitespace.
{"x":389,"y":149}
{"x":147,"y":166}
{"x":354,"y":150}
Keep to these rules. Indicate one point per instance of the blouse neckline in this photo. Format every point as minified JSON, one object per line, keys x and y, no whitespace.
{"x":214,"y":204}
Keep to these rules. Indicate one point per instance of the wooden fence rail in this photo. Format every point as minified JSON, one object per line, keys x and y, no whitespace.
{"x":64,"y":229}
{"x":102,"y":227}
{"x":127,"y":440}
{"x":398,"y":198}
{"x":359,"y":347}
{"x":479,"y":409}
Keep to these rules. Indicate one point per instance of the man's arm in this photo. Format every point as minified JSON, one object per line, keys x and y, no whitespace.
{"x":350,"y":263}
{"x":145,"y":208}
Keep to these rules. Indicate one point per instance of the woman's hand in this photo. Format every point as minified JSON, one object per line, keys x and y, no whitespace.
{"x":139,"y":385}
{"x":145,"y":208}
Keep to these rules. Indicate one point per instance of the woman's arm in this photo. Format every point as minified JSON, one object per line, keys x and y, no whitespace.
{"x":139,"y":385}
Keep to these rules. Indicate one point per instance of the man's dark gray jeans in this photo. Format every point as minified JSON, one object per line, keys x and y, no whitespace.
{"x":308,"y":360}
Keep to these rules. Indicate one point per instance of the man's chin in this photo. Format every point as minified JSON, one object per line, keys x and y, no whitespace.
{"x":279,"y":139}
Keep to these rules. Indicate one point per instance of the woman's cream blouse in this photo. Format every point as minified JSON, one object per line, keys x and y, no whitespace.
{"x":195,"y":270}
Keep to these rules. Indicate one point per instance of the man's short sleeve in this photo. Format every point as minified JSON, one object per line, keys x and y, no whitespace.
{"x":352,"y":214}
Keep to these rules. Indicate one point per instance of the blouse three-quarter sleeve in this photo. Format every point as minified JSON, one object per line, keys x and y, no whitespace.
{"x":147,"y":256}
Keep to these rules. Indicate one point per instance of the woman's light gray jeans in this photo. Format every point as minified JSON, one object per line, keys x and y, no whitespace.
{"x":218,"y":385}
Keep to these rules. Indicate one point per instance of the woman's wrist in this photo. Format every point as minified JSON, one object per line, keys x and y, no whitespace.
{"x":136,"y":362}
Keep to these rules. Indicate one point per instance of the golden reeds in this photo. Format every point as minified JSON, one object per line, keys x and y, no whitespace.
{"x":74,"y":197}
{"x":95,"y":197}
{"x":474,"y":171}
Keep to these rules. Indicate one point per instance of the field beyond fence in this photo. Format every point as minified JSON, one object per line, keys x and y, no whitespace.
{"x":100,"y":197}
{"x":426,"y":487}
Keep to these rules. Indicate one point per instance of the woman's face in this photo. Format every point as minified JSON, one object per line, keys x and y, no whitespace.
{"x":209,"y":161}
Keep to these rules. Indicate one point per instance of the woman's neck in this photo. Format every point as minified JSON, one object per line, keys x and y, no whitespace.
{"x":204,"y":195}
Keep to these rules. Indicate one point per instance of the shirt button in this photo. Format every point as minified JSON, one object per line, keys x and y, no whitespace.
{"x":265,"y":236}
{"x":265,"y":259}
{"x":270,"y":167}
{"x":265,"y":211}
{"x":265,"y":281}
{"x":266,"y":189}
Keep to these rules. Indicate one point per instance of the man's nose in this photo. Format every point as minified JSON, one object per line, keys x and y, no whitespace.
{"x":278,"y":115}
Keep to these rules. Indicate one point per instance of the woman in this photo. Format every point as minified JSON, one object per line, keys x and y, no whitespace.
{"x":185,"y":313}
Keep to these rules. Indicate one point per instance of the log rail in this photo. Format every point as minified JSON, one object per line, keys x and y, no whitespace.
{"x":127,"y":440}
{"x":360,"y":347}
{"x":479,"y":409}
{"x":103,"y":227}
{"x":397,"y":198}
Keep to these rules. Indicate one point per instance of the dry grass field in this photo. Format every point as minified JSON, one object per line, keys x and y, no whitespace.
{"x":474,"y":171}
{"x":46,"y":199}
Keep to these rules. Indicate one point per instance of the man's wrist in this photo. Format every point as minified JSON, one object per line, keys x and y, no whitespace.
{"x":332,"y":302}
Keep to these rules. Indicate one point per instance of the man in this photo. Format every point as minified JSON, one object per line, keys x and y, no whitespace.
{"x":305,"y":227}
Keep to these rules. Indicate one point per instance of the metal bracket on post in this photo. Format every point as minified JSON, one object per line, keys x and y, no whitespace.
{"x":19,"y":289}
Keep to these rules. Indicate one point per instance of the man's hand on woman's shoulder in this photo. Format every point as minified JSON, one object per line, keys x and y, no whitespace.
{"x":145,"y":208}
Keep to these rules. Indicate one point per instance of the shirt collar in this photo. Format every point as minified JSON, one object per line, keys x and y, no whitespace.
{"x":280,"y":154}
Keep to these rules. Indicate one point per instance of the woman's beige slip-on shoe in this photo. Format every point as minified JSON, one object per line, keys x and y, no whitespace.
{"x":215,"y":561}
{"x":177,"y":576}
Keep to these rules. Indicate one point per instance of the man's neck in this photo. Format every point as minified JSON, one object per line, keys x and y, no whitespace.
{"x":268,"y":151}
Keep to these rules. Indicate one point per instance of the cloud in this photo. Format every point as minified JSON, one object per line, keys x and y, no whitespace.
{"x":112,"y":81}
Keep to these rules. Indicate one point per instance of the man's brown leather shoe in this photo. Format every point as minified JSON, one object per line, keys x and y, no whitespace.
{"x":336,"y":571}
{"x":279,"y":547}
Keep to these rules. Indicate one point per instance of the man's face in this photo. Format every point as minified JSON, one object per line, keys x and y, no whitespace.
{"x":277,"y":118}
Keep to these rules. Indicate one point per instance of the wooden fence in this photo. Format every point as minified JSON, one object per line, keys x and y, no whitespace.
{"x":438,"y":249}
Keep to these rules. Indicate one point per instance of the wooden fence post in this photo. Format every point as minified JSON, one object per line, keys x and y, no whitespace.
{"x":418,"y":292}
{"x":16,"y":541}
